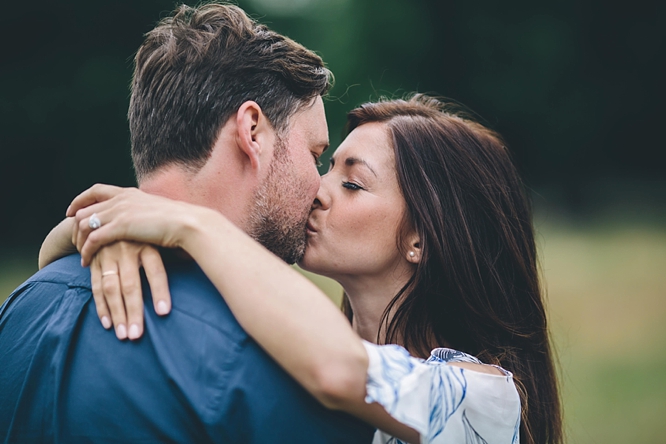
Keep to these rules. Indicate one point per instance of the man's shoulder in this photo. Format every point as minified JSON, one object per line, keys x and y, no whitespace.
{"x":197,"y":360}
{"x":191,"y":291}
{"x":195,"y":296}
{"x":67,"y":270}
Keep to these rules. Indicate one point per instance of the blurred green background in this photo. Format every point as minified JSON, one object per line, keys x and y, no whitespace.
{"x":576,"y":88}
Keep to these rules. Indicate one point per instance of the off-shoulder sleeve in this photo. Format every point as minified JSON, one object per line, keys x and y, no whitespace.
{"x":427,"y":396}
{"x":394,"y":381}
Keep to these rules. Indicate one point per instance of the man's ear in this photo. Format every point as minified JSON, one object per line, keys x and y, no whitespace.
{"x":413,"y":250}
{"x":254,"y":132}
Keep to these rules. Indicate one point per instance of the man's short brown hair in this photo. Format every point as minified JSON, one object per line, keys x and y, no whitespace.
{"x":196,"y":68}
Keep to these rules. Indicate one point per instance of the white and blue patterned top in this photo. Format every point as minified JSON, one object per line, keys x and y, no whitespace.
{"x":444,"y":403}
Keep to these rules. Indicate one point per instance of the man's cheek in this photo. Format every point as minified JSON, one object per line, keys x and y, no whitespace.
{"x":314,"y":181}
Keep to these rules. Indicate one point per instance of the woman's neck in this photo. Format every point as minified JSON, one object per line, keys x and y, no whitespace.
{"x":369,"y":296}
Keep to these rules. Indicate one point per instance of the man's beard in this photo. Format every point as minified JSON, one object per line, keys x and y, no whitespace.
{"x":275,"y":221}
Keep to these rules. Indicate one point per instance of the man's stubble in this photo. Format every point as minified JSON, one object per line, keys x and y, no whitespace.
{"x":281,"y":209}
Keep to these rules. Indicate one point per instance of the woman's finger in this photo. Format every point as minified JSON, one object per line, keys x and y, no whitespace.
{"x":97,"y":193}
{"x":98,"y":294}
{"x":157,"y":278}
{"x":82,"y":232}
{"x":130,"y":285}
{"x":91,"y":241}
{"x":84,"y":222}
{"x":91,"y":245}
{"x":113,"y":296}
{"x":86,"y":227}
{"x":75,"y":231}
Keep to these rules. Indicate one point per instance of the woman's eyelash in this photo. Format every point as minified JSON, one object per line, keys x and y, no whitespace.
{"x":351,"y":186}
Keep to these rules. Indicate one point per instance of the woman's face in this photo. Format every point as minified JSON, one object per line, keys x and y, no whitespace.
{"x":354,"y":223}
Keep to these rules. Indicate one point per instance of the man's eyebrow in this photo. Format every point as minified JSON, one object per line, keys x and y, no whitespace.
{"x":351,"y":161}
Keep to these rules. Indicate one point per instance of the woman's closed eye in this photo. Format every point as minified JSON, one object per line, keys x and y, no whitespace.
{"x":352,"y":186}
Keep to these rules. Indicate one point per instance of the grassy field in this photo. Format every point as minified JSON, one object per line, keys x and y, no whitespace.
{"x":607,"y":300}
{"x":606,"y":293}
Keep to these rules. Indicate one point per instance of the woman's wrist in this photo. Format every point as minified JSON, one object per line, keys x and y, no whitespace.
{"x":198,"y":228}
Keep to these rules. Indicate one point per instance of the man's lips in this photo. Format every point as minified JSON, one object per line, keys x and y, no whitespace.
{"x":310,"y":228}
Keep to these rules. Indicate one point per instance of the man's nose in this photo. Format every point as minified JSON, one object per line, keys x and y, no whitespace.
{"x":315,"y":185}
{"x":322,"y":200}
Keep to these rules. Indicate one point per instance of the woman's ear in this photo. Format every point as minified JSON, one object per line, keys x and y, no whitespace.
{"x":252,"y":126}
{"x":413,"y":248}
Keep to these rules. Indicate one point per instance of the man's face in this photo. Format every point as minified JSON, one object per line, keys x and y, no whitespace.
{"x":282,"y":204}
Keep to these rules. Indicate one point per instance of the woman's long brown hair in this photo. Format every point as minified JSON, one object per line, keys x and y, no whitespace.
{"x":476,"y":287}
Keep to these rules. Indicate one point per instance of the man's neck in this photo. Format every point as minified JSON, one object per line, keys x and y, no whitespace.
{"x":170,"y":181}
{"x":178,"y":183}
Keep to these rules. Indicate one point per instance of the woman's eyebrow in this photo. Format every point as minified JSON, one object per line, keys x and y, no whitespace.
{"x":351,"y":161}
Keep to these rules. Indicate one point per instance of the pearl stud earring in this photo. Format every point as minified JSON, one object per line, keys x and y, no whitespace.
{"x":412,"y":254}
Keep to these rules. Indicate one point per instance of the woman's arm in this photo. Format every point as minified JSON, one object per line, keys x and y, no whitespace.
{"x":58,"y":243}
{"x":284,"y":312}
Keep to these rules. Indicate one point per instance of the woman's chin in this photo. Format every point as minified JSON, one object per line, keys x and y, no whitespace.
{"x":307,"y":264}
{"x":310,"y":263}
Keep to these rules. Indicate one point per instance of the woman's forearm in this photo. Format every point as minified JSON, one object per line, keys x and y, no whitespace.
{"x":282,"y":310}
{"x":58,"y":243}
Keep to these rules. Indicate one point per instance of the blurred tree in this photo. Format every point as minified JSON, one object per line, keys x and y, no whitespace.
{"x":575,"y":87}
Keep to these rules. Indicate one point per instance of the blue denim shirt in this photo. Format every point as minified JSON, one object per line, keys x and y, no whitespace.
{"x":194,"y":377}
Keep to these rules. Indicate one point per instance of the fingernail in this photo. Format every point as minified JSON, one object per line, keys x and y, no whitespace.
{"x":162,"y":308}
{"x":67,"y":211}
{"x":134,"y":331}
{"x":106,"y":322}
{"x":121,"y":331}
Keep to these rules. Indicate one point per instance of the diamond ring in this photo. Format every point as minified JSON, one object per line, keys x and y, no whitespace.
{"x":94,"y":222}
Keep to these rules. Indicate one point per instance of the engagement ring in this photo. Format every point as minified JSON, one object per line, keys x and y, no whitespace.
{"x":94,"y":222}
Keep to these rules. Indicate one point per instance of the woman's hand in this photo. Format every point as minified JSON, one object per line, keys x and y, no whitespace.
{"x":116,"y":286}
{"x":129,"y":214}
{"x":126,"y":214}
